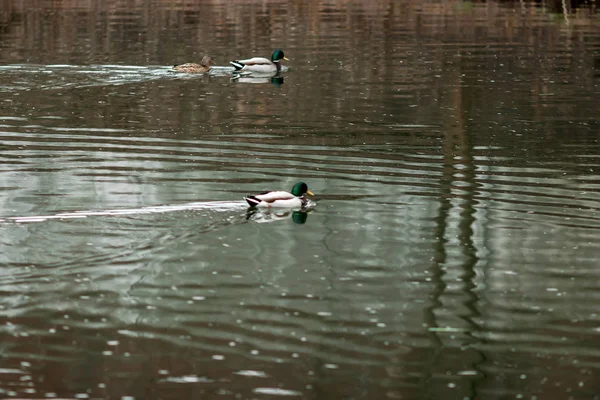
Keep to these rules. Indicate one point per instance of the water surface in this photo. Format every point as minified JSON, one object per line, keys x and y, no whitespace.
{"x":453,"y":149}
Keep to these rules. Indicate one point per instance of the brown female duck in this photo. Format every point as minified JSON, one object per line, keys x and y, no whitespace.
{"x":192,"y":68}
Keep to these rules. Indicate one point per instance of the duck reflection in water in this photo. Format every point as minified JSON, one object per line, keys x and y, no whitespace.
{"x":275,"y":80}
{"x":271,"y":215}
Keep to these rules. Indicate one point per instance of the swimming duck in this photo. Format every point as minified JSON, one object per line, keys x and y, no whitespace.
{"x":192,"y":68}
{"x":260,"y":65}
{"x":281,"y":199}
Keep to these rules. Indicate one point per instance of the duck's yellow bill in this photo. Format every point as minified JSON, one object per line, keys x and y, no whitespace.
{"x":286,"y":59}
{"x":309,"y":192}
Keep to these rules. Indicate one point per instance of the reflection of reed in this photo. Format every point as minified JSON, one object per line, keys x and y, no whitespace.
{"x":391,"y":46}
{"x":111,"y":30}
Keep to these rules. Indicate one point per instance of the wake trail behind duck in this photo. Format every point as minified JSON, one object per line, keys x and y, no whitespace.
{"x":218,"y":206}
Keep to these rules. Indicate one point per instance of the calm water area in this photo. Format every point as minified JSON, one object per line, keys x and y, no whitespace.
{"x":452,"y":146}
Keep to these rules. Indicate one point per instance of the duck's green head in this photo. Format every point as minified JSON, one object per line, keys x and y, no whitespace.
{"x":278,"y":55}
{"x":300,"y":188}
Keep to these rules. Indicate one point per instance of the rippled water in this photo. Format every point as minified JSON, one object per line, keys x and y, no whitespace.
{"x":452,"y":252}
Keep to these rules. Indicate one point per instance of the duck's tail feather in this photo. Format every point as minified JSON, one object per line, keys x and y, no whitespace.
{"x":236,"y":64}
{"x":252,"y":201}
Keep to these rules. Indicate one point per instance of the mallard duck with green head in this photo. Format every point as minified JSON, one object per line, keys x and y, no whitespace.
{"x":281,"y":199}
{"x":192,"y":68}
{"x":260,"y":65}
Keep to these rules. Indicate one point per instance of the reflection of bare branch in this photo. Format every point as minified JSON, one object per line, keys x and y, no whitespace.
{"x":565,"y":11}
{"x":392,"y":42}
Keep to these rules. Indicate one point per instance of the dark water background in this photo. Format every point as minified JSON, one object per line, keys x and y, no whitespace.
{"x":453,"y":252}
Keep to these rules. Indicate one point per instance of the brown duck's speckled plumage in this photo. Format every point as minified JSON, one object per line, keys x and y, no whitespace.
{"x":192,"y":68}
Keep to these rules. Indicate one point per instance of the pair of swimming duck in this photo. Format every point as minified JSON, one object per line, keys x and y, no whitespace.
{"x":258,"y":65}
